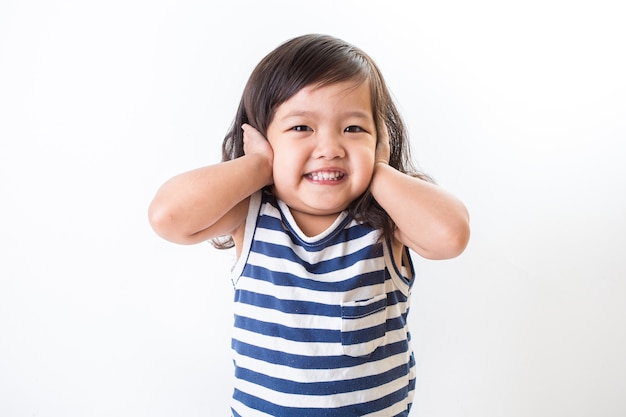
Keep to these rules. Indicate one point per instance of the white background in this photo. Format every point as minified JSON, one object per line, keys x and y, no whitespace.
{"x":517,"y":107}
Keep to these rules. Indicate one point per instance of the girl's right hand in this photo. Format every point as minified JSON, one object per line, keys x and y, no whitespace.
{"x":255,"y":143}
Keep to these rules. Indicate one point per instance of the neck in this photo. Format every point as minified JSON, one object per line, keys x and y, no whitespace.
{"x":313,"y":224}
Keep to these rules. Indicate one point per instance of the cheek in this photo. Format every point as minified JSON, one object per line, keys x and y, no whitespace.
{"x":367,"y":166}
{"x":290,"y":158}
{"x":367,"y":157}
{"x":286,"y":170}
{"x":367,"y":175}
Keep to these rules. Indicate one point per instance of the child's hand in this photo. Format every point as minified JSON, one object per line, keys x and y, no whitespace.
{"x":383,"y":149}
{"x":255,"y":143}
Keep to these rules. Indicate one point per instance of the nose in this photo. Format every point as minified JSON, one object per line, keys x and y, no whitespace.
{"x":328,"y":146}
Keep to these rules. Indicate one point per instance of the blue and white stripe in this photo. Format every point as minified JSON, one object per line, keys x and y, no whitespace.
{"x":320,"y":323}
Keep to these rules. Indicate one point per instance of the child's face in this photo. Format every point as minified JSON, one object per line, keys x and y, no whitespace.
{"x":324,"y":143}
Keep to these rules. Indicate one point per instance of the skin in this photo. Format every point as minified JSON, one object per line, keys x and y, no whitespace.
{"x":321,"y":152}
{"x":323,"y":142}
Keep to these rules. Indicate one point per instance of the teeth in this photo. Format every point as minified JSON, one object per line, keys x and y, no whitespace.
{"x":326,"y":176}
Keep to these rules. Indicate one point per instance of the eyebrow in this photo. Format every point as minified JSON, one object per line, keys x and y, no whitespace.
{"x":304,"y":113}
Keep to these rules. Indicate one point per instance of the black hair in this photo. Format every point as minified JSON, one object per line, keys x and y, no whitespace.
{"x":320,"y":60}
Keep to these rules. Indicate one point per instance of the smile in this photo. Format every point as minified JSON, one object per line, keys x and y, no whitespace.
{"x":326,"y":175}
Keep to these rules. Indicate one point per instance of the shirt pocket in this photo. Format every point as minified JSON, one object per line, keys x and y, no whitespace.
{"x":363,"y":325}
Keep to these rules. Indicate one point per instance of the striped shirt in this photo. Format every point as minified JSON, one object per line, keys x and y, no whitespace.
{"x":320,"y":323}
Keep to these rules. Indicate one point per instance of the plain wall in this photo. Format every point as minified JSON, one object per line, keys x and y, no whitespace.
{"x":518,"y":108}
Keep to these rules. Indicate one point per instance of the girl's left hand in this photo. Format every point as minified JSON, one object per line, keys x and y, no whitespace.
{"x":383,"y":149}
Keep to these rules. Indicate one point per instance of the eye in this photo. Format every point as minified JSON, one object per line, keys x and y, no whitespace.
{"x":354,"y":129}
{"x":301,"y":128}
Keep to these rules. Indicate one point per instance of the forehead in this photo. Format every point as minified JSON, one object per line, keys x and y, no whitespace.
{"x":340,"y":96}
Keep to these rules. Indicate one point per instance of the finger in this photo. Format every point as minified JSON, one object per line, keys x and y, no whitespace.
{"x":384,"y":132}
{"x":248,"y":128}
{"x":249,"y":132}
{"x":254,"y":141}
{"x":383,"y":148}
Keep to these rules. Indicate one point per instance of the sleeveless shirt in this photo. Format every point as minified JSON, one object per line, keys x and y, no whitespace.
{"x":320,"y":324}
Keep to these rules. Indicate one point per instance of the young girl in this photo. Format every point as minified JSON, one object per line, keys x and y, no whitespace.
{"x":317,"y":194}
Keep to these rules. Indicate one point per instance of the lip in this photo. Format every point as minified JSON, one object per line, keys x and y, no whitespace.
{"x":326,"y":176}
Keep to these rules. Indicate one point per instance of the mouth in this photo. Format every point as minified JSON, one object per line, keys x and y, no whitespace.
{"x":326,"y":176}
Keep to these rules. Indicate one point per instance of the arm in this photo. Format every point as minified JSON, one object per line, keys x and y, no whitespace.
{"x":429,"y":220}
{"x":212,"y":201}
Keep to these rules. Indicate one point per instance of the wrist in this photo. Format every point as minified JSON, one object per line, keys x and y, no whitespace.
{"x":381,"y":161}
{"x":380,"y":164}
{"x":262,"y":168}
{"x":379,"y":173}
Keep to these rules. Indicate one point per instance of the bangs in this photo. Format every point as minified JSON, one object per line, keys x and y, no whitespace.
{"x":313,"y":60}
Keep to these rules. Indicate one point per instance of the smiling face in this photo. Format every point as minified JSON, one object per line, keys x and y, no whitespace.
{"x":324,"y":143}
